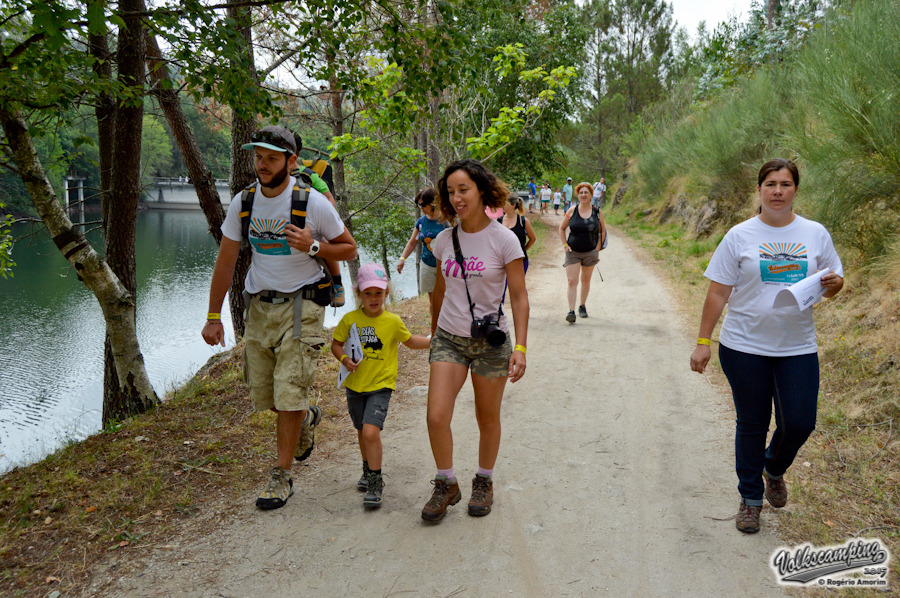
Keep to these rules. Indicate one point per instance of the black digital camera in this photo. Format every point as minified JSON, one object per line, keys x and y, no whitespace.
{"x":489,"y":329}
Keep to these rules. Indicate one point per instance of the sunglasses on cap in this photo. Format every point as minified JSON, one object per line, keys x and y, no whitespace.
{"x":272,"y":138}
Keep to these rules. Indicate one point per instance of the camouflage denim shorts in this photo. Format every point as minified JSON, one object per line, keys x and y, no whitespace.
{"x":279,"y":368}
{"x":474,"y":353}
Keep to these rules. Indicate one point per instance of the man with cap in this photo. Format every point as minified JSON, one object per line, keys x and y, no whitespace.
{"x":567,"y":191}
{"x":284,"y":303}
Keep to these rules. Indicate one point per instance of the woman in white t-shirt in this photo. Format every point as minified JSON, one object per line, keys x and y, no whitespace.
{"x":767,"y":353}
{"x":470,"y":331}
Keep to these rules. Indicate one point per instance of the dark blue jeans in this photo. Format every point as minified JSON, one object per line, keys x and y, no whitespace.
{"x":792,"y":383}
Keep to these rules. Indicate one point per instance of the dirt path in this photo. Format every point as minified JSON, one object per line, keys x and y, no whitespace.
{"x":615,"y":478}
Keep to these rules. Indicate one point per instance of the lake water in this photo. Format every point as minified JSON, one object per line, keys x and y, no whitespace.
{"x":52,"y":330}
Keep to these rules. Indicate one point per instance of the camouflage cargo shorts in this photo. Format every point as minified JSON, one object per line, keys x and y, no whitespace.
{"x":474,"y":353}
{"x":279,"y":368}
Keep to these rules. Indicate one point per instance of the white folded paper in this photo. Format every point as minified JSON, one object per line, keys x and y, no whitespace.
{"x":802,"y":294}
{"x":353,"y":348}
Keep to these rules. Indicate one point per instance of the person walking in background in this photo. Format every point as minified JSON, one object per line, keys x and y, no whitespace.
{"x":768,"y":354}
{"x":546,"y":195}
{"x":532,"y":195}
{"x":374,"y":377}
{"x":425,"y":230}
{"x":587,"y":237}
{"x":567,"y":191}
{"x":602,"y":201}
{"x":514,"y":220}
{"x":475,"y":260}
{"x":287,"y":292}
{"x":557,"y":197}
{"x":599,"y":189}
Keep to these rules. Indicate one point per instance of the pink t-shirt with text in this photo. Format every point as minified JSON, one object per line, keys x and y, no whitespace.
{"x":486,"y":254}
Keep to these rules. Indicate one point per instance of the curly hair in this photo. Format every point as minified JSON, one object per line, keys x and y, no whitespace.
{"x":493,"y":191}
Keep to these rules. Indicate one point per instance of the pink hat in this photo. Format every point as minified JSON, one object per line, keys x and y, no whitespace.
{"x":371,"y":275}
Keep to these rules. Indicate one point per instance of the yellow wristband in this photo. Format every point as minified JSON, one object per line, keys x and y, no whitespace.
{"x":520,"y":348}
{"x":342,"y":358}
{"x":213,"y":316}
{"x":703,"y":341}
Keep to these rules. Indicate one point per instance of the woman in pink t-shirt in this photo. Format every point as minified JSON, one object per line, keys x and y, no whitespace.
{"x":470,"y":331}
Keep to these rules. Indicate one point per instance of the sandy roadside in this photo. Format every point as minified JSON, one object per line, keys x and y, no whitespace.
{"x":615,"y":478}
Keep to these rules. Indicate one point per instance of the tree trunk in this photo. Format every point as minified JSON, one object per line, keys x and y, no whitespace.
{"x":340,"y":183}
{"x":105,"y":112}
{"x":770,"y":15}
{"x":200,"y":174}
{"x":242,"y":171}
{"x":115,"y":300}
{"x":121,"y":397}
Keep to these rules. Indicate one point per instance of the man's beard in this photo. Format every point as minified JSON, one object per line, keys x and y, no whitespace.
{"x":277,"y":178}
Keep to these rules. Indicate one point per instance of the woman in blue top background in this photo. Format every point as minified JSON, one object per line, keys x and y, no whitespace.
{"x":427,"y":228}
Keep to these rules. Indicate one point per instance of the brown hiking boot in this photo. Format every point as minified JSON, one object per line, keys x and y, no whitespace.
{"x":443,"y":496}
{"x":776,"y":491}
{"x":482,"y":496}
{"x":747,"y":518}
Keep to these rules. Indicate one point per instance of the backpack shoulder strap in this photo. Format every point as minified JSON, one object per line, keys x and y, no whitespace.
{"x":299,"y":201}
{"x":247,"y":196}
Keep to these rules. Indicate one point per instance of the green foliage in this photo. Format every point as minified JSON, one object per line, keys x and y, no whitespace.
{"x":386,"y":230}
{"x":735,"y":50}
{"x":6,"y":243}
{"x":511,"y":122}
{"x":849,"y":137}
{"x":156,"y":149}
{"x":831,"y":106}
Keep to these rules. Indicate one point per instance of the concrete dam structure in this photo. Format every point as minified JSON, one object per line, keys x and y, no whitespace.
{"x":176,"y":193}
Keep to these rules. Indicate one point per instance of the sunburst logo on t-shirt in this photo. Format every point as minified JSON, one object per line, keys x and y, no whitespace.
{"x":782,"y":251}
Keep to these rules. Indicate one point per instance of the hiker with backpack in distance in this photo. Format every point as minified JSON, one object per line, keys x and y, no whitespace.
{"x":587,"y":237}
{"x":286,"y":291}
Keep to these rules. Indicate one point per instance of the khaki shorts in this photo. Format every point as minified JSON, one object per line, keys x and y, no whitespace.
{"x":586,"y":258}
{"x":427,"y":277}
{"x":279,"y":368}
{"x":474,"y":353}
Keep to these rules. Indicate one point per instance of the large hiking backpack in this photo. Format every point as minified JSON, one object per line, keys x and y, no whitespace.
{"x":320,"y":167}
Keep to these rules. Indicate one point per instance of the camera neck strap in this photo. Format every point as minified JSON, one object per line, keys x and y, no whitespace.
{"x":457,"y":250}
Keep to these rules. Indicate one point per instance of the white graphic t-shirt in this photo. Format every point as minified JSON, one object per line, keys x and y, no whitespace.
{"x":759,"y":260}
{"x":486,"y":254}
{"x":275,"y":266}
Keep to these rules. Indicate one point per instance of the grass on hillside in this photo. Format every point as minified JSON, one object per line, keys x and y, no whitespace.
{"x":136,"y":484}
{"x":845,"y":481}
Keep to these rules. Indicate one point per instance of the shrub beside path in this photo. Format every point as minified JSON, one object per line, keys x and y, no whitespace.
{"x":615,"y":478}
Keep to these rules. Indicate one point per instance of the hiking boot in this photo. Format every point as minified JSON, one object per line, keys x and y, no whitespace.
{"x":375,"y":487}
{"x":747,"y":518}
{"x":776,"y":491}
{"x":444,"y":495}
{"x":570,"y":317}
{"x":482,"y":495}
{"x":307,"y":441}
{"x":278,"y":490}
{"x":582,"y":311}
{"x":338,"y":299}
{"x":363,"y":484}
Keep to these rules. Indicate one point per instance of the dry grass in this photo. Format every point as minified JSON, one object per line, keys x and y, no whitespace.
{"x":845,"y":481}
{"x":137,"y":485}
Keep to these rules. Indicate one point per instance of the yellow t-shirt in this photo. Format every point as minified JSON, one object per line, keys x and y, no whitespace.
{"x":381,"y":337}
